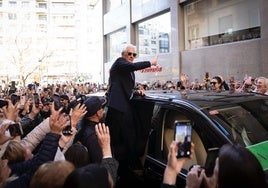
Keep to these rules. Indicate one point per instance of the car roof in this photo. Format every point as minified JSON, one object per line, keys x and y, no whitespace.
{"x":202,"y":99}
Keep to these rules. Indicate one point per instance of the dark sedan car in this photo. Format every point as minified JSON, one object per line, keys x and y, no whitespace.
{"x":216,"y":119}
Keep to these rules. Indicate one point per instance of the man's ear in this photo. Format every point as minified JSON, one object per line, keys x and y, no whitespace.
{"x":99,"y":113}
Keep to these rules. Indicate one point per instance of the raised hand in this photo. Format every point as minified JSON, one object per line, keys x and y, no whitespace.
{"x":103,"y":135}
{"x":195,"y":177}
{"x":10,"y":111}
{"x":174,"y":164}
{"x":3,"y":136}
{"x":154,"y":61}
{"x":77,"y":113}
{"x":58,"y":121}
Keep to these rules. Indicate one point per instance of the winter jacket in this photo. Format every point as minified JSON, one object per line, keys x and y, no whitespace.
{"x":26,"y":169}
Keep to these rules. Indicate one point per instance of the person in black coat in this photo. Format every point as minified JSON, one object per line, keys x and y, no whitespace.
{"x":87,"y":135}
{"x":119,"y":116}
{"x":99,"y":175}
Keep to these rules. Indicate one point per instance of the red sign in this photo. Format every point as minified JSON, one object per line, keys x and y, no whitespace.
{"x":151,"y":69}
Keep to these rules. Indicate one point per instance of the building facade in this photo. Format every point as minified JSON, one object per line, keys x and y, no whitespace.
{"x":227,"y":38}
{"x":50,"y":40}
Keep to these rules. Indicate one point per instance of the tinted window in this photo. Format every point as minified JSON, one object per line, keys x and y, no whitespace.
{"x":246,"y":126}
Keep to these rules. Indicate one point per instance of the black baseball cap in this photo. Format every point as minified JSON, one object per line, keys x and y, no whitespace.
{"x":93,"y":104}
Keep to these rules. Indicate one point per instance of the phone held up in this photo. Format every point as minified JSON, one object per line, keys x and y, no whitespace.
{"x":36,"y":98}
{"x":67,"y":131}
{"x":15,"y":129}
{"x":3,"y":103}
{"x":183,"y":135}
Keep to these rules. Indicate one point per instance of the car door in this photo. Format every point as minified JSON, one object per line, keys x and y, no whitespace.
{"x":205,"y":135}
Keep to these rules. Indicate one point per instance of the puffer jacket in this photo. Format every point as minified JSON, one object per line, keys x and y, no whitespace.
{"x":26,"y":169}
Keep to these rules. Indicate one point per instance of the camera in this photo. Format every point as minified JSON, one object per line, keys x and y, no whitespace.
{"x":183,"y":134}
{"x":15,"y":129}
{"x":79,"y":100}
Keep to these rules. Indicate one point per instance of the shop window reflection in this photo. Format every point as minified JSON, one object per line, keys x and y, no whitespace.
{"x":217,"y":22}
{"x":154,"y":35}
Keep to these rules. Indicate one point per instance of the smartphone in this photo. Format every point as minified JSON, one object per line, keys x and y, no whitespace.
{"x":56,"y":100}
{"x":36,"y":98}
{"x":3,"y":103}
{"x":183,"y":135}
{"x":15,"y":98}
{"x":210,"y":161}
{"x":22,"y":100}
{"x":67,"y":131}
{"x":15,"y":129}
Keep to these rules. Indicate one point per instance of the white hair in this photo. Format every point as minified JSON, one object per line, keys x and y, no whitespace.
{"x":127,"y":46}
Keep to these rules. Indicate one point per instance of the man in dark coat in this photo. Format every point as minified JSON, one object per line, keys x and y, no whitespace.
{"x":87,"y":135}
{"x":119,"y":115}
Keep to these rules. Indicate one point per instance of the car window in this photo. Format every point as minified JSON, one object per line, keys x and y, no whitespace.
{"x":243,"y":126}
{"x":170,"y":116}
{"x":258,"y":109}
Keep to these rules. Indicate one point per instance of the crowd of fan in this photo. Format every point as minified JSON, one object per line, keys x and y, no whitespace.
{"x":216,"y":83}
{"x":37,"y":149}
{"x":40,"y":150}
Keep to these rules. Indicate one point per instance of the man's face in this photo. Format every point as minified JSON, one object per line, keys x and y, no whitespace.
{"x":64,"y":102}
{"x":46,"y":107}
{"x":129,"y":54}
{"x":45,"y":94}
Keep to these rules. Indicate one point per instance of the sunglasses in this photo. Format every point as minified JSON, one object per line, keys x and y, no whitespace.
{"x":130,"y":54}
{"x":213,"y":83}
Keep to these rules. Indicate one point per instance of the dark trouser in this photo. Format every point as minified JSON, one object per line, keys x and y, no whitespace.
{"x":123,"y":134}
{"x":123,"y":137}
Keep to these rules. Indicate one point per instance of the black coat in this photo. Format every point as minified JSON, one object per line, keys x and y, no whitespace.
{"x":87,"y":136}
{"x":122,"y":82}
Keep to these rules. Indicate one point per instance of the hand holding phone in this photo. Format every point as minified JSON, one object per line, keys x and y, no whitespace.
{"x":15,"y":129}
{"x":183,"y":136}
{"x":67,"y":131}
{"x":36,"y":98}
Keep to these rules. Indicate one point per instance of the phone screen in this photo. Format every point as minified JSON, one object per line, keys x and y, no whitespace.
{"x":22,"y":100}
{"x":15,"y":98}
{"x":15,"y":129}
{"x":210,"y":161}
{"x":183,"y":135}
{"x":36,"y":98}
